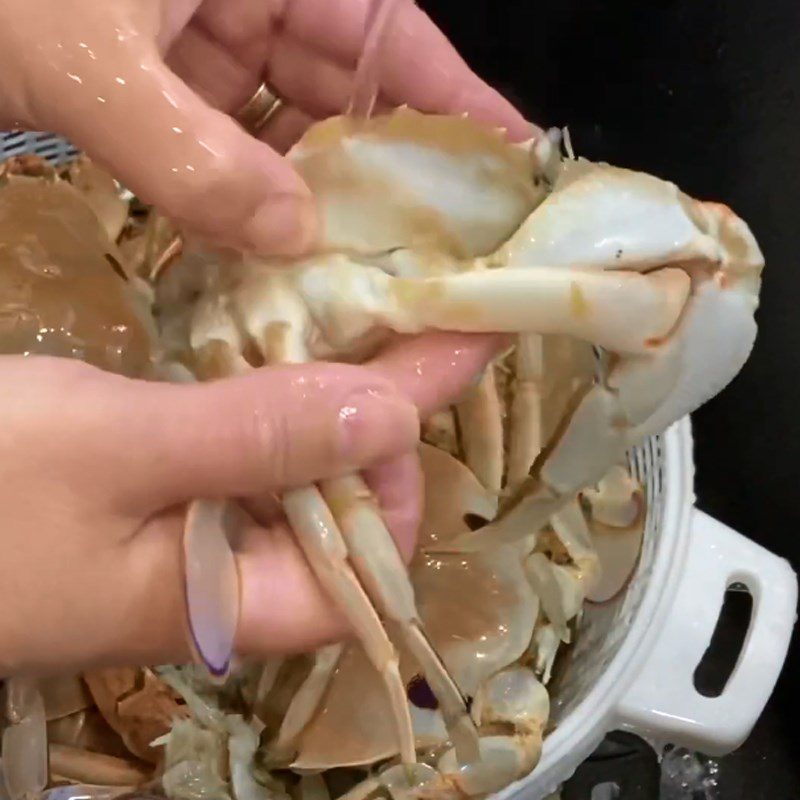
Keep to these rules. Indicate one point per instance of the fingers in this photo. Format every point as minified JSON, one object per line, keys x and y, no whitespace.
{"x":283,"y":609}
{"x":308,"y":79}
{"x":131,"y":113}
{"x":435,"y":369}
{"x":419,"y":66}
{"x":224,"y":82}
{"x":211,"y":70}
{"x":273,"y":429}
{"x":399,"y":488}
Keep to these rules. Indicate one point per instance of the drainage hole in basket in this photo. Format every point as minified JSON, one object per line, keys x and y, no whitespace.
{"x":718,"y":662}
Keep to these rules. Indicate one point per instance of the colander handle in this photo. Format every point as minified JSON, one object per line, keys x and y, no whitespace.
{"x":663,"y":705}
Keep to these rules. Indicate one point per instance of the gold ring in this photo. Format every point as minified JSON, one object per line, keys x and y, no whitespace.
{"x":259,"y":109}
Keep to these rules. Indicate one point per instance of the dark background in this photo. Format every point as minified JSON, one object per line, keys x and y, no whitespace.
{"x":704,"y":93}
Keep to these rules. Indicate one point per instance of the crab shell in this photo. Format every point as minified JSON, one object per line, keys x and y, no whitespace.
{"x":64,"y":288}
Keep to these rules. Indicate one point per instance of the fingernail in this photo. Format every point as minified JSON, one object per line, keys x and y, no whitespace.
{"x":376,"y":425}
{"x":285,"y":225}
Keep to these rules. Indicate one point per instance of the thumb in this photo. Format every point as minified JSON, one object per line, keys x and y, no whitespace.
{"x":273,"y":429}
{"x":134,"y":116}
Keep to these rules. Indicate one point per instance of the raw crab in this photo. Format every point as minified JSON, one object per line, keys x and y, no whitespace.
{"x":632,"y":305}
{"x":434,"y":222}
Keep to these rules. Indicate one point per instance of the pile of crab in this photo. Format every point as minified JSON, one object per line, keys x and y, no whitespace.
{"x":631,"y":305}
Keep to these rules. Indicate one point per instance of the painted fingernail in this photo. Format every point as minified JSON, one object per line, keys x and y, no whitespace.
{"x":376,"y":425}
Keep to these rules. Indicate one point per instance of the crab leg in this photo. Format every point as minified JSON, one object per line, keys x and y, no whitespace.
{"x":597,"y":435}
{"x":306,"y":701}
{"x":377,"y":563}
{"x":321,"y":541}
{"x":319,"y":537}
{"x":525,"y":434}
{"x":512,"y":698}
{"x":481,"y":426}
{"x":83,"y":766}
{"x":621,"y":311}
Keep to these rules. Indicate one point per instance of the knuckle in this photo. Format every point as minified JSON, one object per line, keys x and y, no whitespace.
{"x":270,"y":447}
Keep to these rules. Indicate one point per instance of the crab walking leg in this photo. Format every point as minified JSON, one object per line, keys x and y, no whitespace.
{"x":77,"y":765}
{"x":512,"y":700}
{"x":269,"y":674}
{"x":481,"y":423}
{"x":525,"y":425}
{"x":380,"y":568}
{"x":597,"y":435}
{"x":306,"y":701}
{"x":321,"y":541}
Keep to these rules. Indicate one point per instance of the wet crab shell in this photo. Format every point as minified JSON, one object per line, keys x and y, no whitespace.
{"x":63,"y":286}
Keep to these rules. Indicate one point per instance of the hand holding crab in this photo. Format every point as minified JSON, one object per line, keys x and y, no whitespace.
{"x":426,"y":223}
{"x":96,"y":468}
{"x":146,"y":88}
{"x":181,"y":64}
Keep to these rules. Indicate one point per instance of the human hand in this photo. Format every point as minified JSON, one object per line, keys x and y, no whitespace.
{"x":96,"y":469}
{"x":146,"y":87}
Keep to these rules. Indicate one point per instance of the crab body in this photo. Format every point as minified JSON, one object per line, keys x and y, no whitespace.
{"x":633,"y":304}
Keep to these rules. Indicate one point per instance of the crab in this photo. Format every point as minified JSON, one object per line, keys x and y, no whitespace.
{"x":64,"y":287}
{"x":631,"y":304}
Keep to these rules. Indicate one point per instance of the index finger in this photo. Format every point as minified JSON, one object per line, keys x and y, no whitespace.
{"x":419,"y":66}
{"x":435,"y":369}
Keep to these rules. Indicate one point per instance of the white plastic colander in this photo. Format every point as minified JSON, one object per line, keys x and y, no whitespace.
{"x":633,"y":664}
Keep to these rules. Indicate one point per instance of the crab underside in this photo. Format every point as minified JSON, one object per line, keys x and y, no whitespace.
{"x":632,"y":304}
